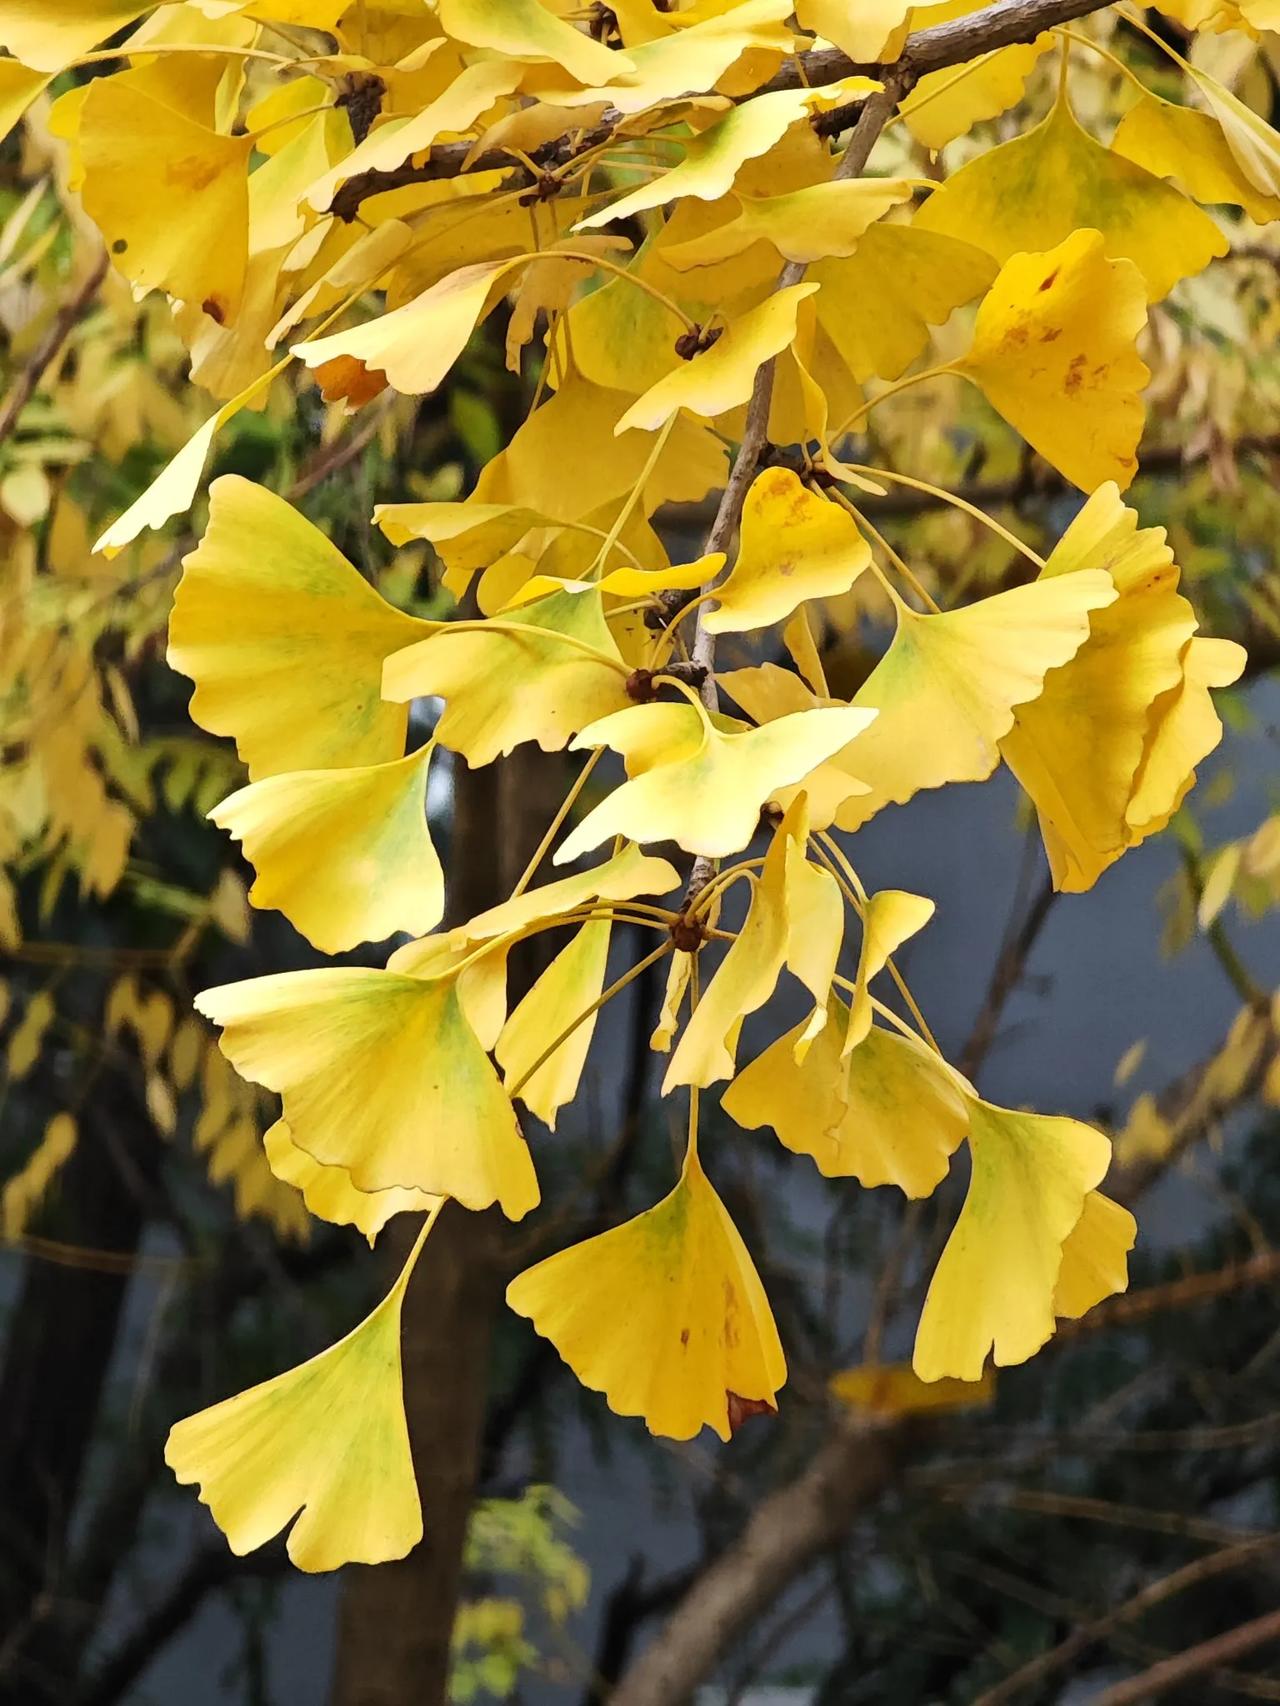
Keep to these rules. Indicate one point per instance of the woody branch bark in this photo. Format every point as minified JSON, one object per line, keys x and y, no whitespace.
{"x":1001,"y":25}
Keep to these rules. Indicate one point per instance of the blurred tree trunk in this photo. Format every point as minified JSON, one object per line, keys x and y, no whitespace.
{"x":396,"y":1621}
{"x":62,"y":1333}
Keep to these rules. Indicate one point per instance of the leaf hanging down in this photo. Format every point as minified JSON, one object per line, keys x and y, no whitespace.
{"x":995,"y":1284}
{"x":328,"y":1440}
{"x":573,"y":980}
{"x":346,"y":855}
{"x":692,"y":783}
{"x":1077,"y":748}
{"x":1053,"y":351}
{"x":794,"y":546}
{"x":665,"y":1315}
{"x":890,"y":1113}
{"x":1029,"y":194}
{"x":946,"y":689}
{"x":381,"y":1074}
{"x":284,"y":640}
{"x":328,"y":1192}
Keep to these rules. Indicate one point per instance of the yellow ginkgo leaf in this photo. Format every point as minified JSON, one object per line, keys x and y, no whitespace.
{"x":947,"y":687}
{"x":378,"y":872}
{"x":628,"y":582}
{"x":665,"y":1315}
{"x":946,"y":104}
{"x":743,"y":982}
{"x":465,"y":536}
{"x":1095,"y":1257}
{"x":285,"y":640}
{"x":993,"y":1288}
{"x":1053,"y":351}
{"x":623,"y":877}
{"x":877,"y":306}
{"x":327,"y":1439}
{"x":804,"y":225}
{"x":767,"y":692}
{"x":721,"y":377}
{"x":329,"y":1193}
{"x":173,"y":490}
{"x":692,"y":783}
{"x":570,"y":984}
{"x":416,"y":345}
{"x":713,"y":159}
{"x":19,"y":86}
{"x":383,"y":1075}
{"x":1252,"y":141}
{"x":538,"y":673}
{"x":890,"y":918}
{"x":668,"y":63}
{"x":530,"y":31}
{"x":815,"y":920}
{"x":1031,"y":193}
{"x":1184,"y":730}
{"x":1190,"y":147}
{"x":679,"y":972}
{"x":794,"y":546}
{"x":471,"y":93}
{"x":1078,"y":747}
{"x":891,"y":1113}
{"x":862,"y":31}
{"x":170,"y":197}
{"x":895,"y":1389}
{"x":49,"y":37}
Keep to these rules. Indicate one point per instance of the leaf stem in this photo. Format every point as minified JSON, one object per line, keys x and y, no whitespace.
{"x":553,"y":829}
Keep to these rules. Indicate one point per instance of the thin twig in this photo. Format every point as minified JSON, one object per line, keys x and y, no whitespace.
{"x":50,"y":346}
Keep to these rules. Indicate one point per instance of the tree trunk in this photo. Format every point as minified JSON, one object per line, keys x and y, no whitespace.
{"x":62,"y":1334}
{"x":396,"y":1621}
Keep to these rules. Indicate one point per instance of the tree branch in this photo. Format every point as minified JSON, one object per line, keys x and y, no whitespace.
{"x":1182,"y":1667}
{"x":49,"y":347}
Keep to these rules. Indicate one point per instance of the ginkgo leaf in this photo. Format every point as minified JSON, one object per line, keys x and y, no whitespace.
{"x":877,"y":306}
{"x":694,"y":784}
{"x":947,"y":687}
{"x":768,"y":692}
{"x":19,"y":86}
{"x":815,"y":920}
{"x":573,"y":980}
{"x":794,"y":545}
{"x":946,"y":104}
{"x":284,"y":640}
{"x":721,"y":377}
{"x":1253,"y":142}
{"x":862,"y":31}
{"x":327,"y":1439}
{"x":381,"y":1074}
{"x":173,"y":490}
{"x":696,"y":56}
{"x":170,"y":197}
{"x":1190,"y":147}
{"x":743,"y":982}
{"x":346,"y":855}
{"x":804,"y":225}
{"x":471,"y":93}
{"x":1094,"y":1257}
{"x":539,"y":674}
{"x":993,"y":1288}
{"x":628,"y":582}
{"x":416,"y":345}
{"x":49,"y":37}
{"x":665,"y":1315}
{"x":890,"y":1113}
{"x":465,"y":536}
{"x":679,"y":973}
{"x":1077,"y":748}
{"x":1184,"y":730}
{"x":1053,"y":351}
{"x":890,"y":918}
{"x":713,"y":159}
{"x":329,"y":1193}
{"x":895,"y":1389}
{"x":627,"y":874}
{"x":527,"y":30}
{"x":1031,"y":193}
